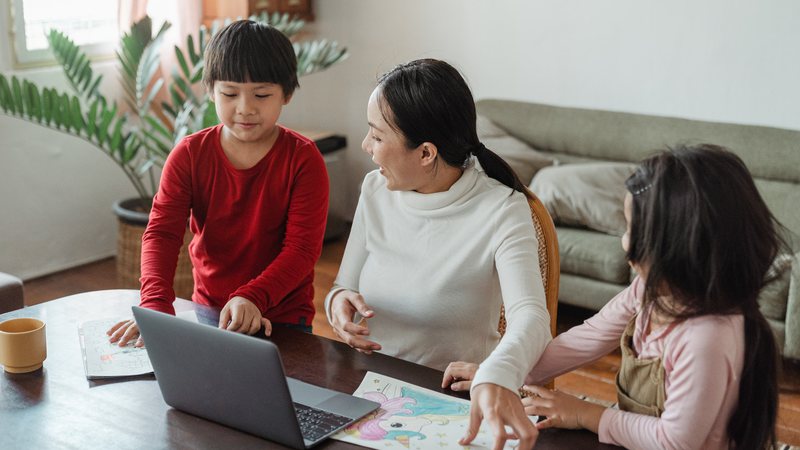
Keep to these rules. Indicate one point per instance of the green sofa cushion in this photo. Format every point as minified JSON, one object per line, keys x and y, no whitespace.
{"x":592,"y":254}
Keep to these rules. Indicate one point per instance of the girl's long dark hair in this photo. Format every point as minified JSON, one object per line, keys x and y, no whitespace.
{"x":427,"y":100}
{"x":708,"y":239}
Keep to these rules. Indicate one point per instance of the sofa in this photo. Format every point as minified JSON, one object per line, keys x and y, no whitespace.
{"x":11,"y":295}
{"x":568,"y":154}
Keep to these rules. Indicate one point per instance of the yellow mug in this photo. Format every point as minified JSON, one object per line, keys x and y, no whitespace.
{"x":23,"y":345}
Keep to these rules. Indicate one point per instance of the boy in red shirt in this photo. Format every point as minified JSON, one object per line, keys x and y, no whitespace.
{"x":255,"y":194}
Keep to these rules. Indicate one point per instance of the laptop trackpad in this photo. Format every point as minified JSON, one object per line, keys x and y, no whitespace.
{"x":308,"y":394}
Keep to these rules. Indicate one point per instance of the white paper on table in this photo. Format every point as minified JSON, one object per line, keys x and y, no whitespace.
{"x":412,"y":417}
{"x":103,"y":359}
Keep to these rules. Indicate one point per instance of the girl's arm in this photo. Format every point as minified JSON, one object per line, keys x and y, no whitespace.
{"x":703,"y":361}
{"x":587,"y":342}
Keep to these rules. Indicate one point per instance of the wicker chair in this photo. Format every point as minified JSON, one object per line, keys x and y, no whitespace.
{"x":548,"y":261}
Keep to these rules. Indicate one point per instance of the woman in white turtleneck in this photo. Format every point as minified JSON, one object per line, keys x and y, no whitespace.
{"x":441,"y":239}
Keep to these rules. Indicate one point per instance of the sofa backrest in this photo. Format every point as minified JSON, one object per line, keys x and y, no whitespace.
{"x":771,"y":154}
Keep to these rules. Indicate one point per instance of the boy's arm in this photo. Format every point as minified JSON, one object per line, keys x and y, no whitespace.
{"x":302,"y":244}
{"x":163,"y":237}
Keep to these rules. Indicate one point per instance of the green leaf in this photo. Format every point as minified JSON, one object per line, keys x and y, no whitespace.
{"x":106,"y":117}
{"x":149,"y":99}
{"x":63,"y":112}
{"x":16,"y":91}
{"x":26,"y":100}
{"x":34,"y":100}
{"x":145,"y":167}
{"x":168,"y":109}
{"x":93,"y":88}
{"x":116,"y":138}
{"x":76,"y":115}
{"x":130,"y":147}
{"x":209,"y":115}
{"x":197,"y":74}
{"x":91,"y":120}
{"x":185,"y":89}
{"x":182,"y":62}
{"x":6,"y":101}
{"x":158,"y":127}
{"x":47,"y":105}
{"x":193,"y":56}
{"x":177,"y":99}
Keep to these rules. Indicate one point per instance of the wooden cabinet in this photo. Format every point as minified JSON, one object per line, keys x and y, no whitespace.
{"x":222,"y":9}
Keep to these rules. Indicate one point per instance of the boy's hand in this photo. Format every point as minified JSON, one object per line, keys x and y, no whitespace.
{"x":500,"y":408}
{"x":458,"y":375}
{"x":344,"y":305}
{"x":124,"y":332}
{"x":243,"y":316}
{"x":562,"y":410}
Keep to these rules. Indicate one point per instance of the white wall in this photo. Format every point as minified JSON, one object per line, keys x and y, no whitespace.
{"x":719,"y":60}
{"x":722,"y":60}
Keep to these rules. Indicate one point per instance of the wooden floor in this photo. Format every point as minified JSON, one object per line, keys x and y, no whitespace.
{"x":596,"y":380}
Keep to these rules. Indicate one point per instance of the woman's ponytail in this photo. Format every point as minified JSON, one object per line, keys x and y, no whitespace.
{"x":497,"y":168}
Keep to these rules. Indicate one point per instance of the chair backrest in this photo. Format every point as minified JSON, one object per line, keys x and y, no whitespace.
{"x":549,"y":262}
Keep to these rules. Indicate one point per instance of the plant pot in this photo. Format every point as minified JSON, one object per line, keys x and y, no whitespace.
{"x":133,"y":216}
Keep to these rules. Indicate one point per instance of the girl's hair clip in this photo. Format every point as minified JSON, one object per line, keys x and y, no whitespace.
{"x":644,"y":188}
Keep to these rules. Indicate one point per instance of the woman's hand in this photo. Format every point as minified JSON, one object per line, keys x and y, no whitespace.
{"x":562,"y":410}
{"x":124,"y":332}
{"x":243,"y":316}
{"x":500,"y":407}
{"x":458,"y":375}
{"x":344,"y":305}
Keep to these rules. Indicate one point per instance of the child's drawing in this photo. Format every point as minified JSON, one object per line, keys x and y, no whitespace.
{"x":411,"y":417}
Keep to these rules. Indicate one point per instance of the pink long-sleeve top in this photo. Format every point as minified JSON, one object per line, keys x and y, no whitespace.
{"x":702,"y":359}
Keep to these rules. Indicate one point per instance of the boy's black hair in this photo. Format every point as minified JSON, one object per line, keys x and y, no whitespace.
{"x":247,"y":51}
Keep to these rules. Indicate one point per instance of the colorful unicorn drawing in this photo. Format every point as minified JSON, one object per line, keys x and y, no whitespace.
{"x":403,"y":417}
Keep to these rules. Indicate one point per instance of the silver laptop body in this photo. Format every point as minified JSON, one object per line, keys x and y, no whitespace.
{"x":238,"y":381}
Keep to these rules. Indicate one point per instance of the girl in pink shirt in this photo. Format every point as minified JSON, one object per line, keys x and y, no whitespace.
{"x":699,"y":361}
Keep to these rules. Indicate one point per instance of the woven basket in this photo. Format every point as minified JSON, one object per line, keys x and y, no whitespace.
{"x":129,"y":256}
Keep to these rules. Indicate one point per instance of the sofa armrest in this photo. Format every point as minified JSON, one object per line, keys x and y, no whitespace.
{"x":791,"y":347}
{"x":10,"y":293}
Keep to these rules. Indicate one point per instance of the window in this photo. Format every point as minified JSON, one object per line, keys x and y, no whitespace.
{"x":92,"y":24}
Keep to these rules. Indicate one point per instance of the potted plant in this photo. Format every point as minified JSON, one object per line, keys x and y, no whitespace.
{"x":139,"y":135}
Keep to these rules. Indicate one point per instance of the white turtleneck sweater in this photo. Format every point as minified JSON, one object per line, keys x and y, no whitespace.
{"x":435,"y":269}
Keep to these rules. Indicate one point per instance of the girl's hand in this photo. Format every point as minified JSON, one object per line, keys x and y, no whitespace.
{"x":243,"y":316}
{"x":344,"y":305}
{"x":459,"y":375}
{"x":124,"y":332}
{"x":562,"y":410}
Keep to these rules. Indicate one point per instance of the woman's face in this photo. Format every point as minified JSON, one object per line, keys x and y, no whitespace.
{"x":401,"y":166}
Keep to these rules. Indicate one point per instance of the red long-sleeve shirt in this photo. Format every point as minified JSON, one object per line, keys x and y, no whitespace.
{"x":257,"y":232}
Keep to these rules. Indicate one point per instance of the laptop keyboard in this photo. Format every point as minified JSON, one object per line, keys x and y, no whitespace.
{"x":315,"y":423}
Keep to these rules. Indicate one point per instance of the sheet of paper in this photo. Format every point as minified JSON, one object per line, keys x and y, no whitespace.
{"x":102,"y":359}
{"x":412,"y":417}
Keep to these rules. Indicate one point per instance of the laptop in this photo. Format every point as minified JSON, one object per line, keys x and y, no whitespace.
{"x":238,"y":381}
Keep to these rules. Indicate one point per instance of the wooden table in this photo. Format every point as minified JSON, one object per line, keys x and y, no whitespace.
{"x":57,"y":407}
